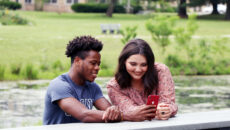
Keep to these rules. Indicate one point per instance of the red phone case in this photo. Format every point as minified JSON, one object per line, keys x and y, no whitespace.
{"x":153,"y":100}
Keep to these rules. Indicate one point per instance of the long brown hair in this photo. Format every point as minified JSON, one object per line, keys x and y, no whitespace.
{"x":150,"y":78}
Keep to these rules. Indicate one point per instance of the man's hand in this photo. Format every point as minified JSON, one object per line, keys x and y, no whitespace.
{"x":111,"y":114}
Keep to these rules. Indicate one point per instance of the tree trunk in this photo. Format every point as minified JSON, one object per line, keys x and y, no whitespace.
{"x":38,"y":5}
{"x":182,"y":12}
{"x":227,"y":15}
{"x":214,"y":6}
{"x":110,"y":9}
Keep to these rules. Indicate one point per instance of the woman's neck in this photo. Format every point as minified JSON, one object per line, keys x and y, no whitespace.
{"x":137,"y":84}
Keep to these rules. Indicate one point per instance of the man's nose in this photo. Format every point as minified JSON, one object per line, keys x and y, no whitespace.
{"x":97,"y":67}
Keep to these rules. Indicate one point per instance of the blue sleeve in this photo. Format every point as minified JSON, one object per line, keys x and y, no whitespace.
{"x":97,"y":93}
{"x":59,"y":90}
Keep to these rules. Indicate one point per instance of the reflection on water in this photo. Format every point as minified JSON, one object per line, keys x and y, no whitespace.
{"x":22,"y":102}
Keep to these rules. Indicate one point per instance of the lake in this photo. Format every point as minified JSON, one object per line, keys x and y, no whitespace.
{"x":22,"y":102}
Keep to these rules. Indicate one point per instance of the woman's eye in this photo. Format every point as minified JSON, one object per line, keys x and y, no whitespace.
{"x":133,"y":64}
{"x":143,"y":65}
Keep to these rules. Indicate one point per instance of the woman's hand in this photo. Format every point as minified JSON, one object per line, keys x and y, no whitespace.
{"x":111,"y":114}
{"x":141,"y":113}
{"x":163,"y":111}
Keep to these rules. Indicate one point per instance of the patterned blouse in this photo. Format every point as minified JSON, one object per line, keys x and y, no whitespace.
{"x":126,"y":99}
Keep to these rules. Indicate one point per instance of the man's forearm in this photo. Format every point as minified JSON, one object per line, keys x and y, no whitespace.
{"x":92,"y":116}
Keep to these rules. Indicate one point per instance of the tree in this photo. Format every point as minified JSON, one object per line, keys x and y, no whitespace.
{"x":182,"y":12}
{"x":214,"y":6}
{"x":227,"y":15}
{"x":110,"y":9}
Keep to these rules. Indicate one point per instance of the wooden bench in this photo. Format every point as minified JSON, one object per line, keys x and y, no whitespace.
{"x":111,"y":28}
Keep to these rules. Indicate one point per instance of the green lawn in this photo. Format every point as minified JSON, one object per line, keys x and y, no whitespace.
{"x":45,"y":39}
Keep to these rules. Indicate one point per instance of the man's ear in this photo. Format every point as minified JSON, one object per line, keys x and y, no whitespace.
{"x":77,"y":60}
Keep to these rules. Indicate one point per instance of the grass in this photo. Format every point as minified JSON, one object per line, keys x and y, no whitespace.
{"x":44,"y":40}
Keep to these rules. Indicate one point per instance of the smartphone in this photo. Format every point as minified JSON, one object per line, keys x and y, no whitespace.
{"x":153,"y":100}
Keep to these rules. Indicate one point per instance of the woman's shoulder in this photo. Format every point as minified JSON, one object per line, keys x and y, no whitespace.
{"x":113,"y":83}
{"x":161,"y":67}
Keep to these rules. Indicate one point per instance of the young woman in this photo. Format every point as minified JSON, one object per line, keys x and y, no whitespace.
{"x":137,"y":77}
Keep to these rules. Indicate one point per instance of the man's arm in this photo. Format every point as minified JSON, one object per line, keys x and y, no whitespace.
{"x":112,"y":113}
{"x":102,"y":104}
{"x":73,"y":107}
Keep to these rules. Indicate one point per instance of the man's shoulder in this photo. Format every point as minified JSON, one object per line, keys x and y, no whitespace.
{"x":59,"y":81}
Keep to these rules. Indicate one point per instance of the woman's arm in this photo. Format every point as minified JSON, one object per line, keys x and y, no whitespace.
{"x":166,"y":89}
{"x":131,"y":112}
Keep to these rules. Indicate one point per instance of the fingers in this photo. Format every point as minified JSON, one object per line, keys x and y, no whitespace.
{"x":111,"y":114}
{"x":163,"y":113}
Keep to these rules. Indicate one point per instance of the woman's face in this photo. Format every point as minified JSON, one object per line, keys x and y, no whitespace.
{"x":136,"y":66}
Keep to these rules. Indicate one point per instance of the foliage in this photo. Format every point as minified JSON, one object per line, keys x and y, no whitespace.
{"x":10,"y":4}
{"x":22,"y":45}
{"x":164,"y":7}
{"x":204,"y":63}
{"x":161,"y":27}
{"x":15,"y":69}
{"x":58,"y":65}
{"x":8,"y":19}
{"x":2,"y":72}
{"x":136,"y":8}
{"x":183,"y":36}
{"x":30,"y":72}
{"x":96,"y":8}
{"x":128,"y":34}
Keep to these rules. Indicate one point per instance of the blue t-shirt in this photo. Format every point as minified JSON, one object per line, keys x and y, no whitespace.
{"x":63,"y":87}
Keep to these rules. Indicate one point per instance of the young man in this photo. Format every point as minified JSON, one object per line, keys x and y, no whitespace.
{"x":71,"y":96}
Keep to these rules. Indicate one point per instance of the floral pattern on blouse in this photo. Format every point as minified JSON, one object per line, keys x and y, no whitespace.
{"x":127,"y":99}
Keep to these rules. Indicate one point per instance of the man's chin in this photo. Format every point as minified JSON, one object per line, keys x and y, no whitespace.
{"x":91,"y":79}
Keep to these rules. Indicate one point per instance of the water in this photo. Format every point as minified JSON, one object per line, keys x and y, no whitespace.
{"x":22,"y":102}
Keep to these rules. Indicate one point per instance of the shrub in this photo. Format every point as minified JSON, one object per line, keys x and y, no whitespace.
{"x":137,"y":8}
{"x":15,"y":69}
{"x":10,"y":4}
{"x":2,"y":72}
{"x":161,"y":27}
{"x":58,"y":65}
{"x":128,"y":34}
{"x":8,"y":19}
{"x":96,"y":8}
{"x":30,"y":72}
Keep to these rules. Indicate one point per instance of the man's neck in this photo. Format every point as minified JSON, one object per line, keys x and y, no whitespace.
{"x":76,"y":78}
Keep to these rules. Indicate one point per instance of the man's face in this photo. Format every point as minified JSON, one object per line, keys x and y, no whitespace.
{"x":90,"y":66}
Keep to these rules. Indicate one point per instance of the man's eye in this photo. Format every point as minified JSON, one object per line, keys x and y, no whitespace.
{"x":93,"y":63}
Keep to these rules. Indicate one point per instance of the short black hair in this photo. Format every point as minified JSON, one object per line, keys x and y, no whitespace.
{"x":79,"y":46}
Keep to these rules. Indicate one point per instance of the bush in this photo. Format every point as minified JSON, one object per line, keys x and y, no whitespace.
{"x":15,"y":69}
{"x":30,"y":72}
{"x":10,"y":4}
{"x":96,"y":8}
{"x":2,"y":72}
{"x":8,"y":19}
{"x":128,"y":34}
{"x":58,"y":65}
{"x":137,"y":8}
